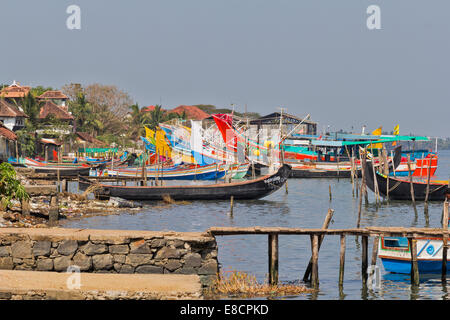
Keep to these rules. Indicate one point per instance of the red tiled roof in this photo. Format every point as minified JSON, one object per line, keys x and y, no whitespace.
{"x":149,"y":108}
{"x":53,"y":94}
{"x":9,"y":110}
{"x":88,"y":138}
{"x":15,"y":91}
{"x":51,"y":108}
{"x":192,"y":112}
{"x":8,"y":134}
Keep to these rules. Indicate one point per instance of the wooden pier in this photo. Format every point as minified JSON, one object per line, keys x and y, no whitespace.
{"x":316,"y":236}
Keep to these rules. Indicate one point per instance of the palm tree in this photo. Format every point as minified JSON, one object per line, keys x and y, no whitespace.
{"x":157,"y":116}
{"x":85,"y":119}
{"x":137,"y":121}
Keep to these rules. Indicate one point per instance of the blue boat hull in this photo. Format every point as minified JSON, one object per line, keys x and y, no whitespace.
{"x":404,"y":266}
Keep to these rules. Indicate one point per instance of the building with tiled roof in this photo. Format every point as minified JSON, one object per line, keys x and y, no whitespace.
{"x":50,"y":108}
{"x":11,"y":116}
{"x":7,"y":143}
{"x":14,"y":91}
{"x":192,"y":112}
{"x":90,"y":141}
{"x":55,"y":96}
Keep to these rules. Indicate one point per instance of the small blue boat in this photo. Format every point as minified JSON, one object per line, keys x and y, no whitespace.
{"x":395,"y":254}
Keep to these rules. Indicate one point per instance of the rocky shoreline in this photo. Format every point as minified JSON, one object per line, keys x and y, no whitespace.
{"x":70,"y":206}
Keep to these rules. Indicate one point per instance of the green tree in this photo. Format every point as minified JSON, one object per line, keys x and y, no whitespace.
{"x":156,"y":116}
{"x":10,"y":186}
{"x":32,"y":108}
{"x":85,"y":119}
{"x":137,"y":121}
{"x":37,"y":91}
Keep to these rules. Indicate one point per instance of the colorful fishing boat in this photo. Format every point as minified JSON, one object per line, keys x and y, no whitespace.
{"x":420,"y":162}
{"x":66,"y":169}
{"x":395,"y":254}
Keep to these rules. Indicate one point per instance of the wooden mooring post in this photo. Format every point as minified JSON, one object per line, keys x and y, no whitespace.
{"x":364,"y":259}
{"x":414,"y":265}
{"x":326,"y":223}
{"x":342,"y":261}
{"x":273,"y":258}
{"x":444,"y":241}
{"x":411,"y":182}
{"x":231,"y":205}
{"x":315,"y":261}
{"x":53,"y":213}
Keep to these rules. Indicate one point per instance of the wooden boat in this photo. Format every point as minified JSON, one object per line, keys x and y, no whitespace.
{"x":209,"y":172}
{"x":341,"y":169}
{"x":395,"y":254}
{"x":64,"y":169}
{"x":400,"y":189}
{"x":250,"y":189}
{"x":322,"y":170}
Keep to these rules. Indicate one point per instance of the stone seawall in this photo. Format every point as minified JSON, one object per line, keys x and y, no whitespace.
{"x":109,"y":251}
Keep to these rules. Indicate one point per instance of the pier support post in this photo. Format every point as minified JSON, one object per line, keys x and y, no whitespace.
{"x":414,"y":266}
{"x":64,"y":185}
{"x":342,"y":261}
{"x":444,"y":241}
{"x":325,"y":225}
{"x":411,"y":182}
{"x":315,"y":262}
{"x":376,"y":240}
{"x":26,"y":207}
{"x":231,"y":205}
{"x":273,"y":259}
{"x":54,"y":211}
{"x":364,"y":259}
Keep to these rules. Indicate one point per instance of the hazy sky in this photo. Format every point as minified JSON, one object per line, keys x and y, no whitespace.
{"x":309,"y":56}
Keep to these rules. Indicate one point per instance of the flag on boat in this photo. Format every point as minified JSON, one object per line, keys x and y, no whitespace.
{"x":376,"y":132}
{"x":162,"y":148}
{"x":396,"y":133}
{"x":150,"y":135}
{"x":396,"y":130}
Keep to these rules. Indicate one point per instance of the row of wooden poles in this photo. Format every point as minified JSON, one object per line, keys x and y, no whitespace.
{"x":360,"y":189}
{"x":317,"y":236}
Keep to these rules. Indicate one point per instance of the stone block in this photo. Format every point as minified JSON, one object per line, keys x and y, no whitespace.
{"x":6,"y":263}
{"x":41,"y":248}
{"x":139,"y":246}
{"x":149,"y":269}
{"x":62,"y":263}
{"x":102,"y":261}
{"x":192,"y":260}
{"x":138,"y":259}
{"x":68,"y":247}
{"x":5,"y":251}
{"x":92,"y":249}
{"x":21,"y":249}
{"x":119,"y":249}
{"x":172,"y":265}
{"x":44,"y":265}
{"x":167,"y":253}
{"x":210,"y":267}
{"x":84,"y":262}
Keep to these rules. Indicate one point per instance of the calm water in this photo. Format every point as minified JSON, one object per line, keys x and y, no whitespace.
{"x":305,"y":206}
